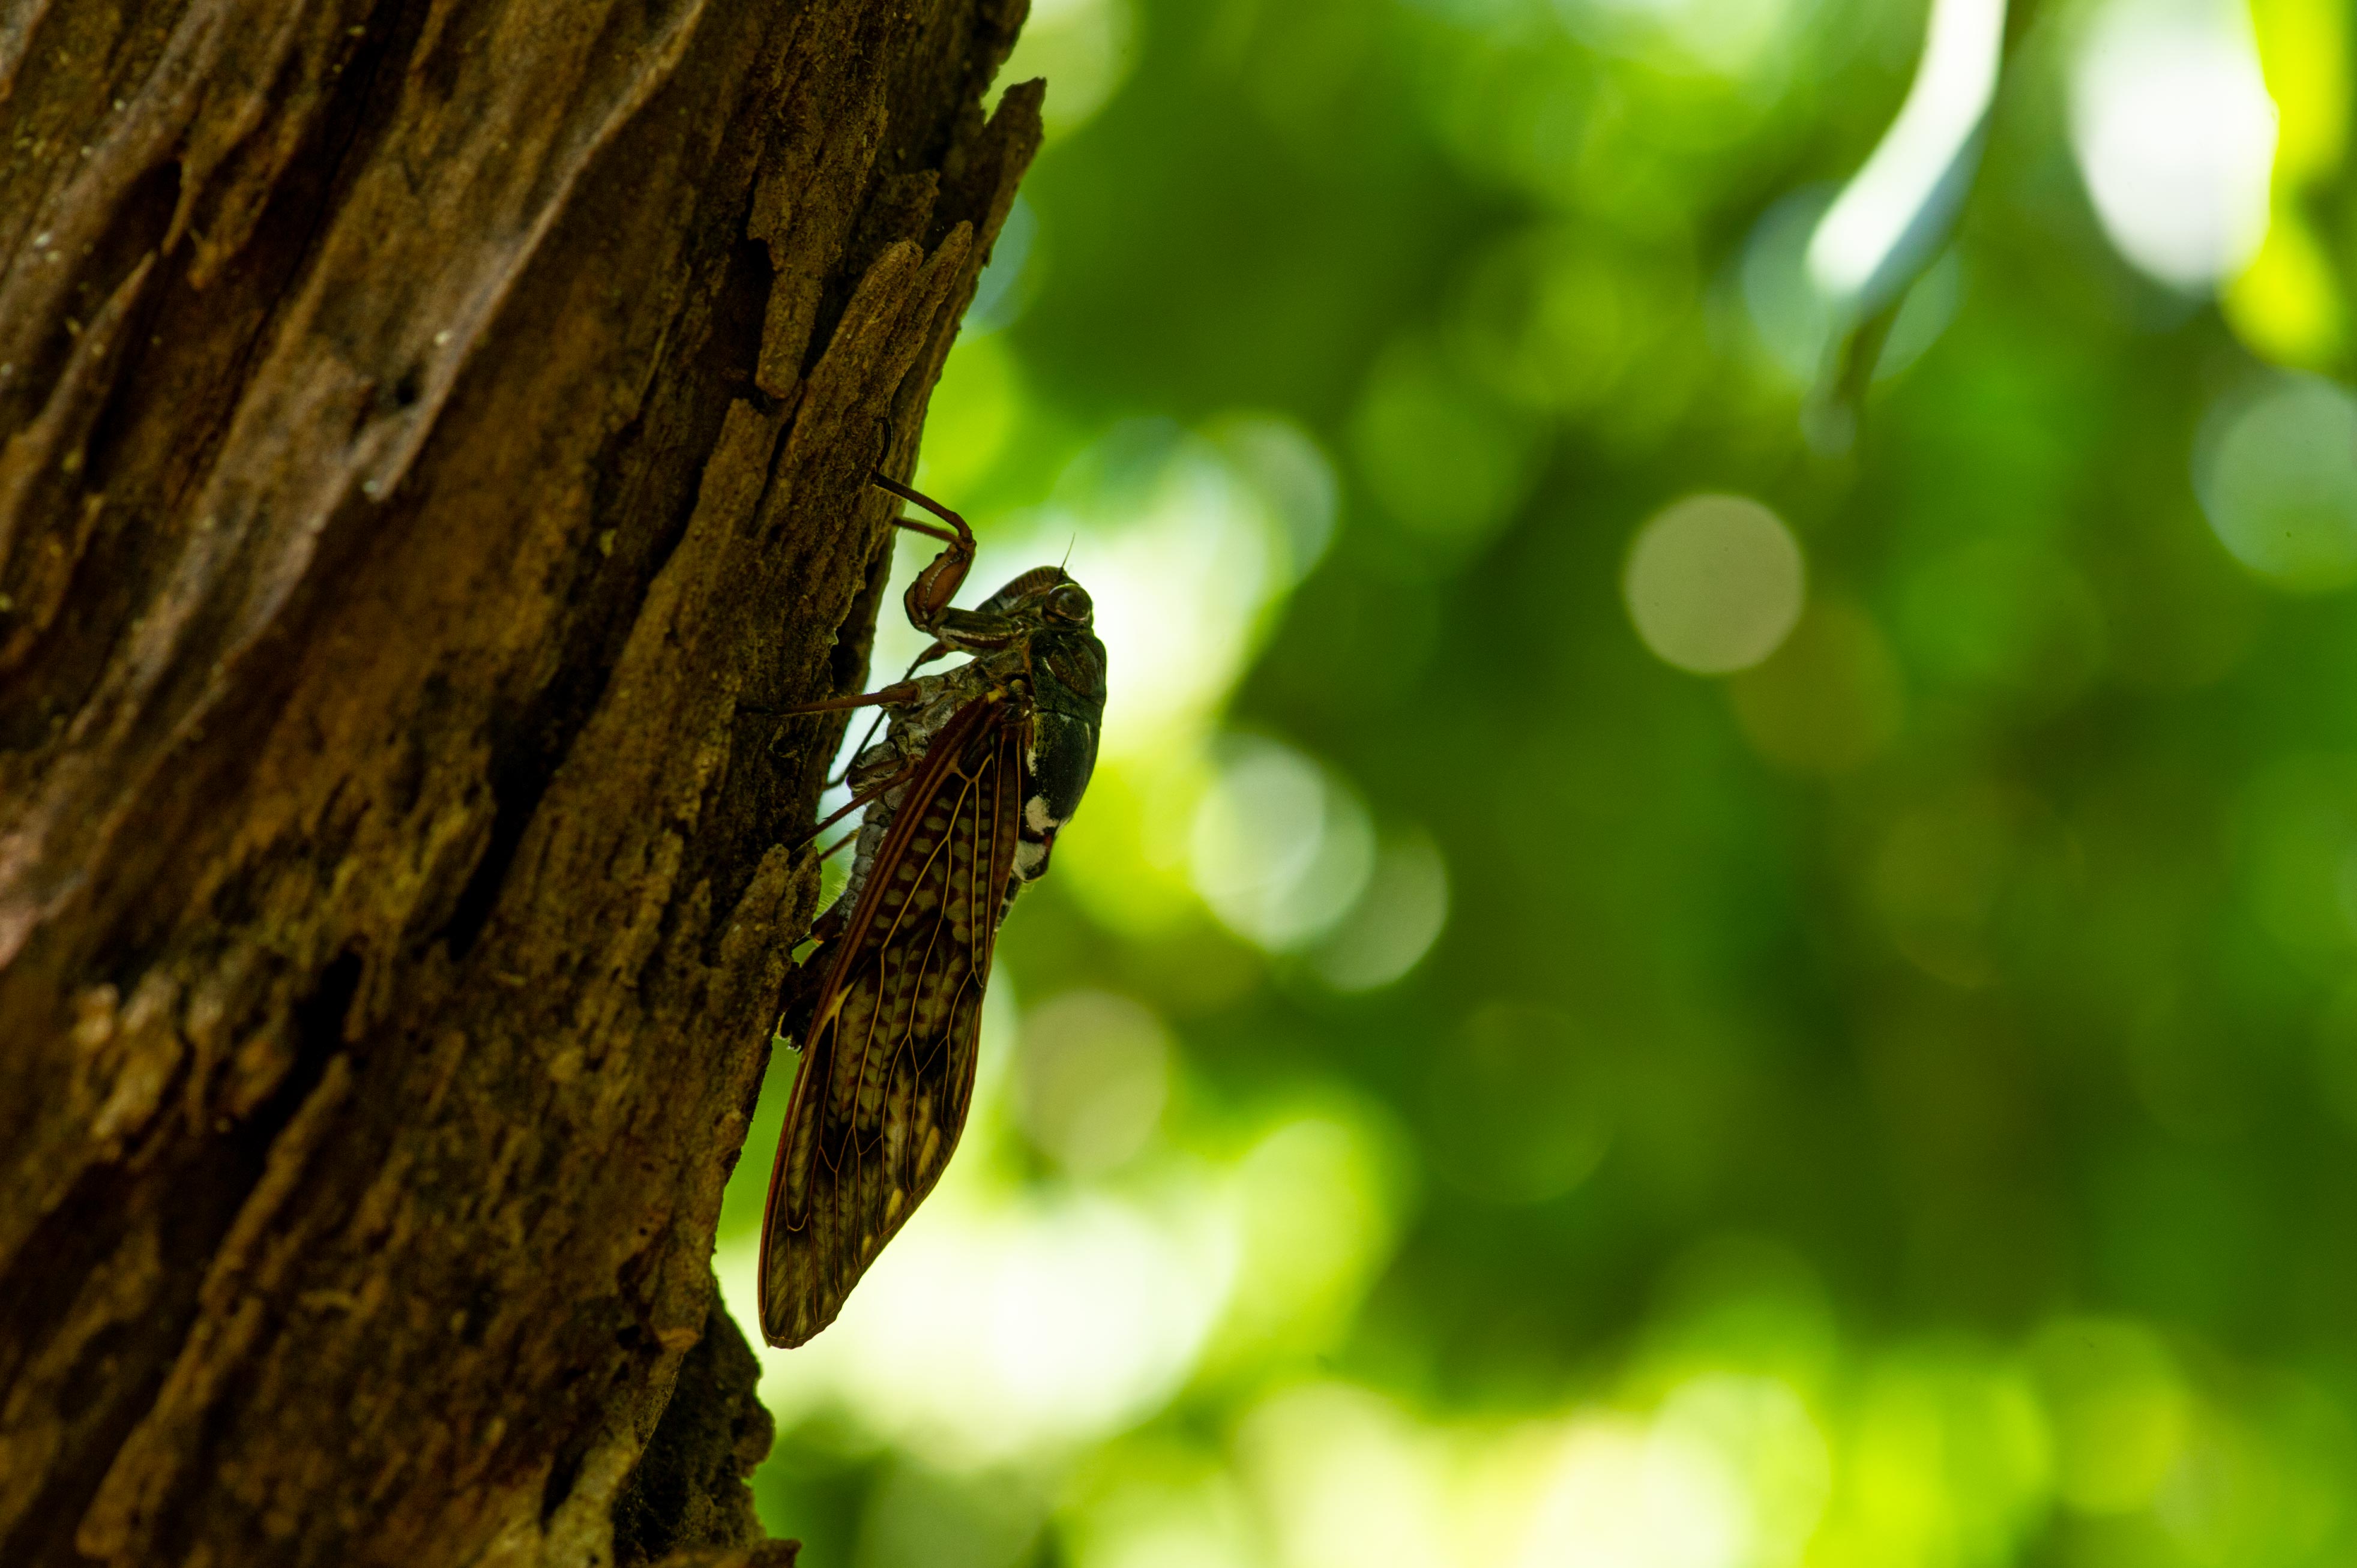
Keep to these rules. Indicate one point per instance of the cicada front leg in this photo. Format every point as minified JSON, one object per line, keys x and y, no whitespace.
{"x":928,"y":599}
{"x":928,"y":603}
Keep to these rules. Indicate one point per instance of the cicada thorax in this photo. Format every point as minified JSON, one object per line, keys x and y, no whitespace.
{"x":1030,"y":585}
{"x":1054,"y":675}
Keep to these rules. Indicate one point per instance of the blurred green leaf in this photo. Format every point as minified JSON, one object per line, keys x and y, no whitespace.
{"x":1474,"y":1092}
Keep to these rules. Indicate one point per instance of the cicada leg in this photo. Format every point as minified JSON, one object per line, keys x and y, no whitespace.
{"x":803,"y":981}
{"x":906,"y":678}
{"x":862,"y":799}
{"x":800,"y":991}
{"x":898,"y":694}
{"x":928,"y":599}
{"x":901,"y":693}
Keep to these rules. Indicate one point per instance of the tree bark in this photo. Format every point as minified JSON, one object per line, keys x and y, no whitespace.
{"x":433,"y":444}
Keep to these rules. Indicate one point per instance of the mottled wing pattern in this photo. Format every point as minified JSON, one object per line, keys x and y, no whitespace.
{"x":888,"y":1054}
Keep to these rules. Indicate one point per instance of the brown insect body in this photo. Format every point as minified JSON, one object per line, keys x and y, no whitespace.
{"x":978,"y":768}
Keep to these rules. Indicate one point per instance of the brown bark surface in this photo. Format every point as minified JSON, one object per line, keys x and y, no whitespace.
{"x":432,"y":434}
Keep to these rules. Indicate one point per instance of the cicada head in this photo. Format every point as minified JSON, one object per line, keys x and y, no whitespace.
{"x":1067,"y":661}
{"x":1044,"y":596}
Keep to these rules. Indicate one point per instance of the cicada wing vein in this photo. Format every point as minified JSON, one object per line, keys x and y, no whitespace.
{"x":887,"y":1062}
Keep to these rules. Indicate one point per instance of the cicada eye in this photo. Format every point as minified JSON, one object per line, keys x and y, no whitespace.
{"x":1070,"y":602}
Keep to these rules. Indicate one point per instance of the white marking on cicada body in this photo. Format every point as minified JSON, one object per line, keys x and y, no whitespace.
{"x":1031,"y":855}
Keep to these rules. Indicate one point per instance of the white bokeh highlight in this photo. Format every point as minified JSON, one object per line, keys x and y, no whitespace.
{"x":2175,"y":135}
{"x":1878,"y":210}
{"x":1280,"y":851}
{"x":992,"y":1330}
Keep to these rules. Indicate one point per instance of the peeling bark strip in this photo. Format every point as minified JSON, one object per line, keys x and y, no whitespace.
{"x":431,"y":433}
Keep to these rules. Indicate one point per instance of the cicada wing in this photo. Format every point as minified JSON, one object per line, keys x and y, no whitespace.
{"x":888,"y":1055}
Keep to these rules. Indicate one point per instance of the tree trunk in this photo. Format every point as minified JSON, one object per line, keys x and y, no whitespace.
{"x":433,"y":444}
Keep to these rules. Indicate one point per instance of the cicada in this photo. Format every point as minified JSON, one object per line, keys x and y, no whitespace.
{"x":980,"y":767}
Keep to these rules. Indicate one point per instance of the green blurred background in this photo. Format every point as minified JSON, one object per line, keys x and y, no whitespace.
{"x":1716,"y":926}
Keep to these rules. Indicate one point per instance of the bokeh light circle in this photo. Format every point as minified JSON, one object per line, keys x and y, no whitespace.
{"x":2278,"y":478}
{"x":2176,"y":136}
{"x":1092,"y":1079}
{"x":1831,"y":698}
{"x":1279,"y":849}
{"x":1713,"y":584}
{"x":1394,"y":923}
{"x":1447,"y":460}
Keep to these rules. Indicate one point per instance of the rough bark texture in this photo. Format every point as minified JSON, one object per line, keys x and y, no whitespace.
{"x":432,"y":433}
